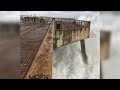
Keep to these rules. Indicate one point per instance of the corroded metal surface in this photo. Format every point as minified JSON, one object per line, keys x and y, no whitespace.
{"x":29,"y":45}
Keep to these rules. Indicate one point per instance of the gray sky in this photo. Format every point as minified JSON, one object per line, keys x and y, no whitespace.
{"x":14,"y":15}
{"x":68,"y":14}
{"x":9,"y":16}
{"x":107,"y":20}
{"x":116,"y":13}
{"x":110,"y":20}
{"x":64,"y":14}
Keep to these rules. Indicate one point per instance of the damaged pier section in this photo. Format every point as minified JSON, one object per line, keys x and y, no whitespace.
{"x":38,"y":39}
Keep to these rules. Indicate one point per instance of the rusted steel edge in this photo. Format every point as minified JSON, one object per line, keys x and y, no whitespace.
{"x":33,"y":65}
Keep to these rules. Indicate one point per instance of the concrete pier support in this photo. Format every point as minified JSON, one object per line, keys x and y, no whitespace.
{"x":83,"y":50}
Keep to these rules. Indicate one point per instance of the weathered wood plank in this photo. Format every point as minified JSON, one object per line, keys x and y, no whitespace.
{"x":41,"y":67}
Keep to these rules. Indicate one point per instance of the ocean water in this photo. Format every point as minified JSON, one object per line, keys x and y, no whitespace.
{"x":67,"y":60}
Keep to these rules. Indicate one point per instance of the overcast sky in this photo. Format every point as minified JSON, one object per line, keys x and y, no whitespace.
{"x":110,"y":20}
{"x":9,"y":16}
{"x":14,"y":15}
{"x":64,"y":14}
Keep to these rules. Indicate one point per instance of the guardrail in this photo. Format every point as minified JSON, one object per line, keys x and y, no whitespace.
{"x":68,"y":31}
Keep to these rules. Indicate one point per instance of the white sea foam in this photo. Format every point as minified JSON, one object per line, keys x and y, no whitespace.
{"x":67,"y":60}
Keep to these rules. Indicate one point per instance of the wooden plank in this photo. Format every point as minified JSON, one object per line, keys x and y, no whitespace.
{"x":29,"y":45}
{"x":41,"y":67}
